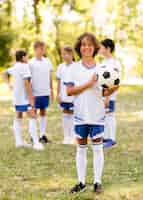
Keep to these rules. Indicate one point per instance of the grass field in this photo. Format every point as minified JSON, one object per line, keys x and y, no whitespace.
{"x":29,"y":175}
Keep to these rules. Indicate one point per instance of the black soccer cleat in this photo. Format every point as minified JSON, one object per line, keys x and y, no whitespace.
{"x":44,"y":139}
{"x":31,"y":139}
{"x":78,"y":188}
{"x":97,"y":188}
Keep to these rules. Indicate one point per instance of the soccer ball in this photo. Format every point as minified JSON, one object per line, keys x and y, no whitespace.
{"x":108,"y":76}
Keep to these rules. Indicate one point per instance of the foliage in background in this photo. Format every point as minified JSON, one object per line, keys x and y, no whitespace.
{"x":60,"y":22}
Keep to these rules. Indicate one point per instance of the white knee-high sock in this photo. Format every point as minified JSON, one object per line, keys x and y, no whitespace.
{"x":33,"y":129}
{"x":98,"y":162}
{"x":71,"y":127}
{"x":66,"y":125}
{"x":110,"y":127}
{"x":42,"y":122}
{"x":81,"y":162}
{"x":17,"y":131}
{"x":112,"y":124}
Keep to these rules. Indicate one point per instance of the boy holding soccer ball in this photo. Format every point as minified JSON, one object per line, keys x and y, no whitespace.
{"x":107,"y":48}
{"x":89,"y":109}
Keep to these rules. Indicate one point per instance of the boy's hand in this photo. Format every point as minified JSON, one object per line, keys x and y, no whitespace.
{"x":108,"y":91}
{"x":10,"y":86}
{"x":32,"y":101}
{"x":58,"y":99}
{"x":115,"y":87}
{"x":32,"y":113}
{"x":106,"y":102}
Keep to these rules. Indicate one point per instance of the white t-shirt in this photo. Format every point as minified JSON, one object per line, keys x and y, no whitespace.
{"x":88,"y":105}
{"x":40,"y":74}
{"x":61,"y":75}
{"x":19,"y":71}
{"x":112,"y":62}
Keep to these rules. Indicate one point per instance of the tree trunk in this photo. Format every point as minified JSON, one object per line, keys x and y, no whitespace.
{"x":37,"y":16}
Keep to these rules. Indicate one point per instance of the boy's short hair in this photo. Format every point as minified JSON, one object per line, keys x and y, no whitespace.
{"x":19,"y":55}
{"x":67,"y":49}
{"x":108,"y":43}
{"x":38,"y":44}
{"x":90,"y":37}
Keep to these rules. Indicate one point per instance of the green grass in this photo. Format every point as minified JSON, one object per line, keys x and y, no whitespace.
{"x":29,"y":175}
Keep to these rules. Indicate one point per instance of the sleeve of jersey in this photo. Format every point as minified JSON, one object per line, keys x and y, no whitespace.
{"x":25,"y":73}
{"x":70,"y":78}
{"x":10,"y":70}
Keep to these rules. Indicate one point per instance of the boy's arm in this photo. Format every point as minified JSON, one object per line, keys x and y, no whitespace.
{"x":6,"y":78}
{"x":58,"y":90}
{"x":75,"y":90}
{"x":106,"y":101}
{"x":51,"y":86}
{"x":109,"y":91}
{"x":28,"y":88}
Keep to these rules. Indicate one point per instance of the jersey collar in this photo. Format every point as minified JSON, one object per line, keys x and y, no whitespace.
{"x":85,"y":66}
{"x":37,"y":59}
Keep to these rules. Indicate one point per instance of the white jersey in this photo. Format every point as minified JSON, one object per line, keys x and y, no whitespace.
{"x":40,"y":72}
{"x":19,"y":71}
{"x":61,"y":75}
{"x":112,"y":62}
{"x":88,"y":105}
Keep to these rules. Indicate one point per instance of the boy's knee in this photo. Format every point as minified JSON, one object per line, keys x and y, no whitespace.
{"x":42,"y":112}
{"x":81,"y":141}
{"x":97,"y":140}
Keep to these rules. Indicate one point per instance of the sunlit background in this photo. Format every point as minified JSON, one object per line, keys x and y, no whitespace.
{"x":60,"y":22}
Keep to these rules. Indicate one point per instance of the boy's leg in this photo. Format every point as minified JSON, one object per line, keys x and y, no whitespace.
{"x":106,"y":128}
{"x":96,"y":133}
{"x":71,"y":127}
{"x":110,"y":130}
{"x":81,"y":156}
{"x":68,"y":127}
{"x":81,"y":160}
{"x":33,"y":130}
{"x":42,"y":103}
{"x":17,"y":129}
{"x":112,"y":126}
{"x":42,"y":122}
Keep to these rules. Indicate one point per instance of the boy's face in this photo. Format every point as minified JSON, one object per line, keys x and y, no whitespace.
{"x":103,"y":51}
{"x":86,"y":48}
{"x":25,"y":59}
{"x":40,"y":51}
{"x":66,"y":56}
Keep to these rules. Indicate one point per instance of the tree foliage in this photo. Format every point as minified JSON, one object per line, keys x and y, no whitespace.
{"x":60,"y":22}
